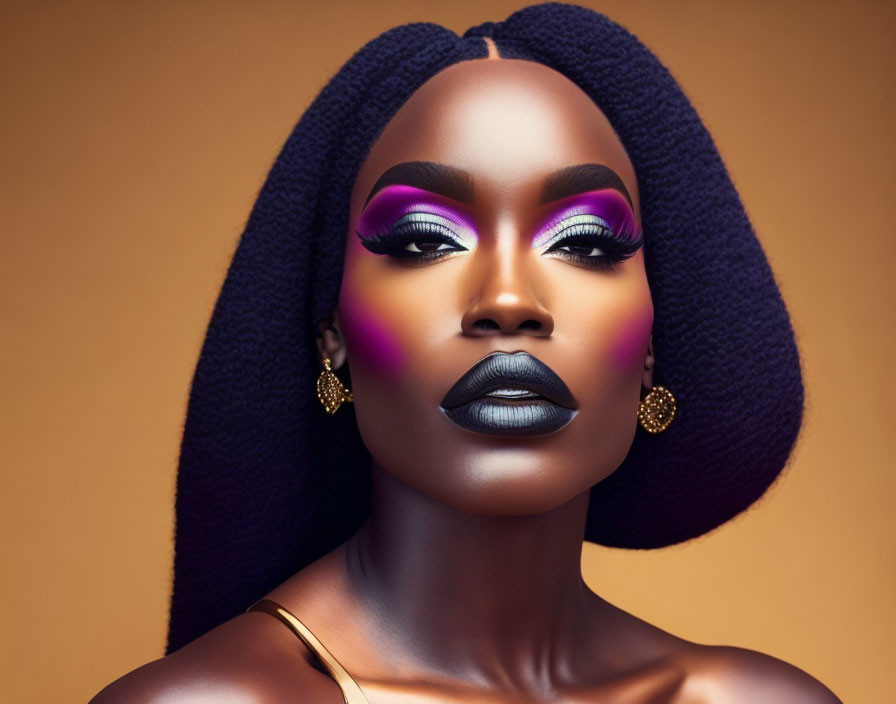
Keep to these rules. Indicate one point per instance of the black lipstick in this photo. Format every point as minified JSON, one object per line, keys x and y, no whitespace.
{"x":510,"y":394}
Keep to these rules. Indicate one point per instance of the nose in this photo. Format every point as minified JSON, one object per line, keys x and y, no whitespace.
{"x":504,"y":299}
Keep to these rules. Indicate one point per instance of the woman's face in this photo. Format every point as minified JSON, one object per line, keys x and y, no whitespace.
{"x":497,"y":212}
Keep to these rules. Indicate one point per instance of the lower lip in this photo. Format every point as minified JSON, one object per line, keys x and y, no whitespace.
{"x":493,"y":416}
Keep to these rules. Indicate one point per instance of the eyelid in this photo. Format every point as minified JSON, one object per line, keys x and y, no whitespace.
{"x":552,"y":235}
{"x":430,"y":218}
{"x":395,"y":201}
{"x":608,"y":204}
{"x":396,"y":237}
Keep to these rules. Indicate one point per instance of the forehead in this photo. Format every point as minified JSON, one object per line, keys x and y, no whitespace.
{"x":508,"y":122}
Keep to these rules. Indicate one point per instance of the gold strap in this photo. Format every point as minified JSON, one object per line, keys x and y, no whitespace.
{"x":351,"y":692}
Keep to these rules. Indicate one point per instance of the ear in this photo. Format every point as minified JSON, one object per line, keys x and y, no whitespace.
{"x":330,"y":342}
{"x":647,"y":371}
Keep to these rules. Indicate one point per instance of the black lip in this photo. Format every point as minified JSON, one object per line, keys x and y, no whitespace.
{"x":501,"y":370}
{"x":467,"y":405}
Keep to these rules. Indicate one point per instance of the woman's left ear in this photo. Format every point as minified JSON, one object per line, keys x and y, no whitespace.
{"x":330,"y":342}
{"x":647,"y":371}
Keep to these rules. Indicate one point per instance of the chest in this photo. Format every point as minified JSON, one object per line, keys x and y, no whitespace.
{"x":655,"y":684}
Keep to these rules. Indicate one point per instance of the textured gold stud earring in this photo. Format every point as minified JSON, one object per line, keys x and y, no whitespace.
{"x":656,"y":410}
{"x":331,"y":392}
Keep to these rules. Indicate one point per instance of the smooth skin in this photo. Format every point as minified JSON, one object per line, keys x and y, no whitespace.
{"x":465,"y":583}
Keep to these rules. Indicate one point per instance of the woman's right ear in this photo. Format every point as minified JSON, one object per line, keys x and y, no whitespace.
{"x":330,"y":342}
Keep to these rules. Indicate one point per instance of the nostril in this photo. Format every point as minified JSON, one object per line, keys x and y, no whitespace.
{"x":486,"y":324}
{"x":489,"y":324}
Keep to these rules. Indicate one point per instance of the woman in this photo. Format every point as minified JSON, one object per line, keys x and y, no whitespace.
{"x":514,"y":241}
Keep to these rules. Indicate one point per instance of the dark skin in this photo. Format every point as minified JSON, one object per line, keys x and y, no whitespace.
{"x":465,"y":583}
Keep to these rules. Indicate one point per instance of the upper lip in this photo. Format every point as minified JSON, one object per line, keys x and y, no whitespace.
{"x":502,"y":370}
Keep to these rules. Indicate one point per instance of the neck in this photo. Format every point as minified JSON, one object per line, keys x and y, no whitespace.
{"x":479,"y":597}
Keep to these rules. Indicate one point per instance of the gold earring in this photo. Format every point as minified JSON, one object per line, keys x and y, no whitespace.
{"x":330,"y":390}
{"x":656,"y":410}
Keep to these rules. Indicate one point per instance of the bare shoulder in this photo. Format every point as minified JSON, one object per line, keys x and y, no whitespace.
{"x":716,"y":674}
{"x":250,"y":659}
{"x":729,"y":675}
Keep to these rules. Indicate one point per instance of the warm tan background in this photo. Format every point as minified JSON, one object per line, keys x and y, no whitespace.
{"x":134,"y":139}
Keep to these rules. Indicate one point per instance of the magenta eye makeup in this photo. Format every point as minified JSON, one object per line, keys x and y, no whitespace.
{"x":414,"y":225}
{"x":595,"y":229}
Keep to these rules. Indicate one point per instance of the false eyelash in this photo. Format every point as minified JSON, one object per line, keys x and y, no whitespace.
{"x":615,"y":249}
{"x":412,"y":230}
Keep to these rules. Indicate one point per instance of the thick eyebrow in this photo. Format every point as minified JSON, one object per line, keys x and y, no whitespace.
{"x":457,"y":184}
{"x":447,"y":181}
{"x":580,"y":179}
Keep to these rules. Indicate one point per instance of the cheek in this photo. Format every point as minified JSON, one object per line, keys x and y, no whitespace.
{"x":629,"y":345}
{"x":367,"y":335}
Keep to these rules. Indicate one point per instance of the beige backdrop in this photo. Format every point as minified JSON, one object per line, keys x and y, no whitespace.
{"x":135,"y":137}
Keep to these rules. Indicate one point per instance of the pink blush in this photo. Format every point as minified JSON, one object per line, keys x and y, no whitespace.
{"x":630,"y":346}
{"x":371,"y":341}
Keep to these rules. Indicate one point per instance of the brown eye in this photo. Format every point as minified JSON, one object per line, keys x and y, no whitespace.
{"x":425,"y":247}
{"x":586,"y":240}
{"x":416,"y":238}
{"x":582,"y":250}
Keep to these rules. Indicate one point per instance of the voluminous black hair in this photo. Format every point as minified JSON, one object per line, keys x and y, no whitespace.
{"x":268,"y":482}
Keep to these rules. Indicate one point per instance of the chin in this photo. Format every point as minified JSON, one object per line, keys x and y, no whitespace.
{"x":490,"y":475}
{"x":506,"y":481}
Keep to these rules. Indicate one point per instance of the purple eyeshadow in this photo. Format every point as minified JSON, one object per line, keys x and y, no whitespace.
{"x":394,"y":202}
{"x":608,"y":204}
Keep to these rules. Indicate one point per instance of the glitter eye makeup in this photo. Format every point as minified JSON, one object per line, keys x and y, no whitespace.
{"x":596,"y":229}
{"x":414,"y":226}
